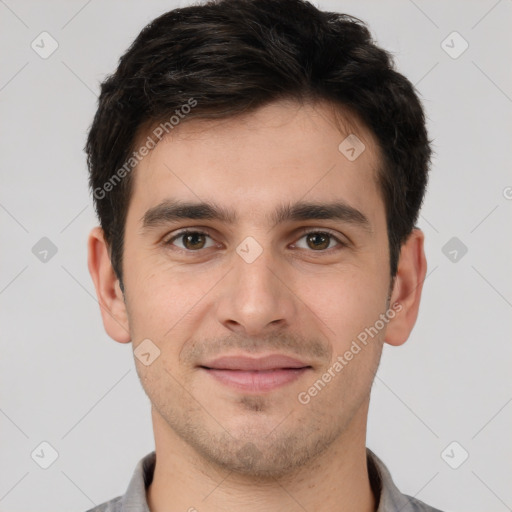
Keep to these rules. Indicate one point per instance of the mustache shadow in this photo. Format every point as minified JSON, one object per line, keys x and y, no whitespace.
{"x":294,"y":345}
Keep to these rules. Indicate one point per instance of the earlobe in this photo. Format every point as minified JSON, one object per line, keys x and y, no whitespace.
{"x":108,"y":291}
{"x":406,"y":294}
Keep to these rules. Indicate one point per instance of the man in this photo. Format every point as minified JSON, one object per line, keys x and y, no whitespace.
{"x":258,"y":168}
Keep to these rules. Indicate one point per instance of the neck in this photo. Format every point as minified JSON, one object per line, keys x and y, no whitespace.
{"x":337,"y":480}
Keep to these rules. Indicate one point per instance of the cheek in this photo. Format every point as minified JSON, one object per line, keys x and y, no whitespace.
{"x":345,"y":302}
{"x":163,"y":296}
{"x":348,"y":310}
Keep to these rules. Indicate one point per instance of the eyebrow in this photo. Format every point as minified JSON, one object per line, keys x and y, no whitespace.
{"x":172,"y":210}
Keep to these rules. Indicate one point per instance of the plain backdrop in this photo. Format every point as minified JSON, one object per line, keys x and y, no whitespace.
{"x":64,"y":382}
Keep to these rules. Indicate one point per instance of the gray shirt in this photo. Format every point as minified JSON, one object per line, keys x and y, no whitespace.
{"x":391,"y":499}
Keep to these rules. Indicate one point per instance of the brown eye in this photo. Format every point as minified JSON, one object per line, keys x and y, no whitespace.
{"x":190,"y":240}
{"x":193,"y":241}
{"x":319,"y":241}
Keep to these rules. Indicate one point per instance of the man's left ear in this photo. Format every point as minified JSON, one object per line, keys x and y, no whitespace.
{"x":406,"y":294}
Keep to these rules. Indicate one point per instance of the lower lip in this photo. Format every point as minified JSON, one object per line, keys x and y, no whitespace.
{"x":257,"y":381}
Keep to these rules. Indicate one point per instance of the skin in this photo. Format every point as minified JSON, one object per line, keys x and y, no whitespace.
{"x":218,"y":448}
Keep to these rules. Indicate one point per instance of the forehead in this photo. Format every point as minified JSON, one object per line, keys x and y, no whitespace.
{"x":279,"y":153}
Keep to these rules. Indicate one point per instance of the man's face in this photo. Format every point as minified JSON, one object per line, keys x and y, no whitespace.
{"x":303,"y":287}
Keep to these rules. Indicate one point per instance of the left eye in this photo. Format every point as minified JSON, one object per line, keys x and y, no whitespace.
{"x":318,"y":240}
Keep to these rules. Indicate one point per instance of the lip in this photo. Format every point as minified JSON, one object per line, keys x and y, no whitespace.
{"x":256,"y":375}
{"x":270,"y":362}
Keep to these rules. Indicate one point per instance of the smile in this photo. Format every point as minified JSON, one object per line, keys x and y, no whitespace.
{"x":256,"y":381}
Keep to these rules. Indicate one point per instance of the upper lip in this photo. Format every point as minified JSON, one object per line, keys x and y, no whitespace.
{"x":271,"y":362}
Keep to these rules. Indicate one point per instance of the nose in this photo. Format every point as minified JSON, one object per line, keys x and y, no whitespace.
{"x":255,"y":298}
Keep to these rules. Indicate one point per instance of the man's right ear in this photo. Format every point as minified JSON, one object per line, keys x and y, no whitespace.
{"x":108,"y":291}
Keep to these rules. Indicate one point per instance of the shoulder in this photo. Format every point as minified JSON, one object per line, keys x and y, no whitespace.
{"x":390,"y":497}
{"x":113,"y":505}
{"x":416,"y":505}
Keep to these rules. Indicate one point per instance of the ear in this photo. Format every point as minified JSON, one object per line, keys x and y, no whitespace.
{"x":108,"y":291}
{"x":406,"y":294}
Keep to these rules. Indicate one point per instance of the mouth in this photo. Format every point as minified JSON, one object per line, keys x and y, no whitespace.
{"x":256,"y":375}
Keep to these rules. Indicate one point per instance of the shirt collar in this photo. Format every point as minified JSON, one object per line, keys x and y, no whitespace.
{"x":135,"y":497}
{"x":383,"y":486}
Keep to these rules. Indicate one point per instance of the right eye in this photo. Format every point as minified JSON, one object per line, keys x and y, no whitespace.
{"x":191,"y":241}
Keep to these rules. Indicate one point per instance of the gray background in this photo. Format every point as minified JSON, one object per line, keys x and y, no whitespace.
{"x":65,"y":382}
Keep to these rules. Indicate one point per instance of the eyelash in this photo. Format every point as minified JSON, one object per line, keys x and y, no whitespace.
{"x":304,"y":232}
